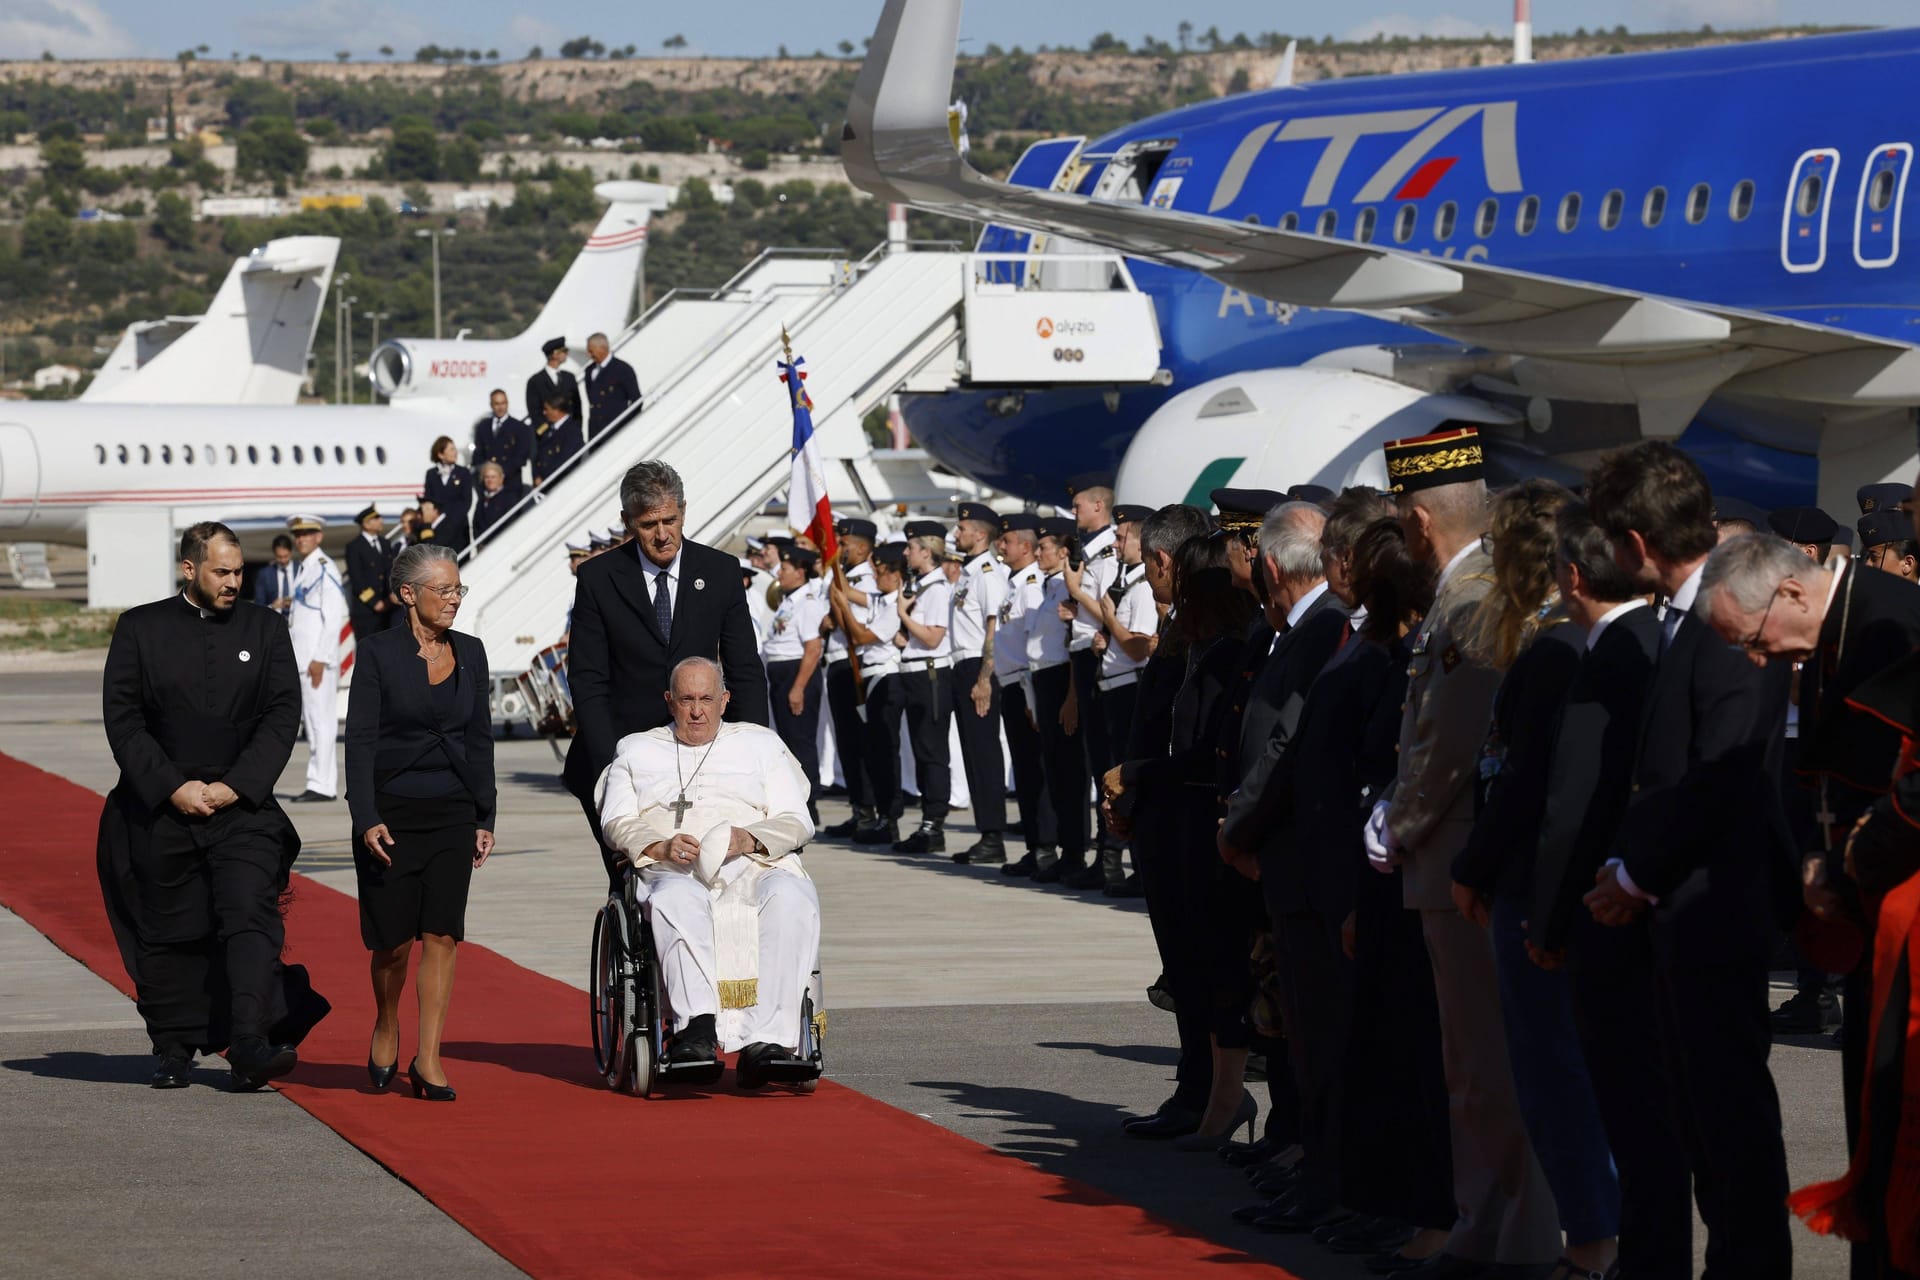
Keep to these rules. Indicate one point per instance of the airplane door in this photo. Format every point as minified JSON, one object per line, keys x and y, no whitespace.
{"x":1040,"y":168}
{"x":1803,"y":229}
{"x":19,"y":476}
{"x":1877,"y":208}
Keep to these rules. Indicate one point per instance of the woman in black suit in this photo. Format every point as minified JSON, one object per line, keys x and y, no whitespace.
{"x":449,"y":484}
{"x":420,"y":785}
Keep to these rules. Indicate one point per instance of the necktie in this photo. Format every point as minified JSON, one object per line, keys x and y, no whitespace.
{"x":1669,"y":625}
{"x":663,"y":605}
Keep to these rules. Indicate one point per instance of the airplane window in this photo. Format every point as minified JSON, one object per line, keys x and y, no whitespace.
{"x":273,"y":453}
{"x":1807,"y":202}
{"x":1403,"y":222}
{"x":1444,"y":219}
{"x":360,"y":454}
{"x":339,"y":454}
{"x":1655,"y":207}
{"x":233,"y":456}
{"x":1569,"y":211}
{"x":1742,"y":203}
{"x":146,"y":456}
{"x":120,"y":451}
{"x":100,"y":454}
{"x":253,"y":456}
{"x":1610,"y":208}
{"x":319,"y":454}
{"x":1698,"y":201}
{"x":1363,"y":225}
{"x":1288,"y":222}
{"x":1488,"y":218}
{"x":1328,"y":224}
{"x":186,"y":454}
{"x":380,"y":450}
{"x":1880,"y":194}
{"x":1528,"y":217}
{"x":1252,"y":219}
{"x":297,"y":455}
{"x":166,"y":454}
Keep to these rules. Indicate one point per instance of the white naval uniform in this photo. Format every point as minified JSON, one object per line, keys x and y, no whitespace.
{"x":1102,"y":567}
{"x":1136,"y":612}
{"x":742,"y":944}
{"x":318,"y":615}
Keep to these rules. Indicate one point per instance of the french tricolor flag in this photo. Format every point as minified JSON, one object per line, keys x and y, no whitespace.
{"x":807,"y":493}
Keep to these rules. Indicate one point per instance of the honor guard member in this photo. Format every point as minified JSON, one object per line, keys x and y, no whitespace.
{"x":1019,"y":609}
{"x":1131,"y":620}
{"x":551,"y":381}
{"x":319,"y":612}
{"x":200,"y":705}
{"x":792,"y":654}
{"x":876,"y":634}
{"x":500,"y":437}
{"x":1887,"y":544}
{"x":853,"y":601}
{"x":369,"y":561}
{"x":973,"y":695}
{"x":1057,"y":711}
{"x":925,"y":669}
{"x":1087,"y":583}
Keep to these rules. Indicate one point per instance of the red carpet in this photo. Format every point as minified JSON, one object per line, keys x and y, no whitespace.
{"x":564,"y":1178}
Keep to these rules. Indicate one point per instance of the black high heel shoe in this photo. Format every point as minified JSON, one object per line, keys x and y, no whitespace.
{"x":381,"y":1076}
{"x":422,"y":1089}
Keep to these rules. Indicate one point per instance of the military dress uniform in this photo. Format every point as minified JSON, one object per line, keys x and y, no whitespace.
{"x":319,"y":613}
{"x":885,"y":693}
{"x":977,"y":598}
{"x":1134,"y":609}
{"x":548,"y":380}
{"x":796,"y":623}
{"x":925,"y":672}
{"x":369,"y":567}
{"x":1019,"y":611}
{"x":844,"y":692}
{"x":1062,"y":754}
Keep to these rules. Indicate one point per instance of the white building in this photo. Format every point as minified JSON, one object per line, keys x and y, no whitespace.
{"x":55,"y":375}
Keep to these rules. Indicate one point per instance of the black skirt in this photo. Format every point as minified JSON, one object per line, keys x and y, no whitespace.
{"x":425,"y":890}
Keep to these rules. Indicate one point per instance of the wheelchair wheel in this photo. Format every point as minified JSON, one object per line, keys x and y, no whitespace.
{"x":646,"y":1039}
{"x":603,"y":987}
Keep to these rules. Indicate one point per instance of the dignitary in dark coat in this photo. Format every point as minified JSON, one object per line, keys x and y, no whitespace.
{"x":421,"y":787}
{"x":500,"y":437}
{"x":201,"y":699}
{"x":1711,"y":875}
{"x":273,"y":585}
{"x":556,"y":439}
{"x":554,"y":379}
{"x":493,"y":501}
{"x":637,"y":611}
{"x":612,"y":387}
{"x":370,"y":606}
{"x":449,"y":484}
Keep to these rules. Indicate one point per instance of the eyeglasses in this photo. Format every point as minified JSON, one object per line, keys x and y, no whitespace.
{"x":1752,"y":643}
{"x":448,"y":593}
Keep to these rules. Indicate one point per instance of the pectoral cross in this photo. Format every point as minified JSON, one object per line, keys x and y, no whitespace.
{"x":680,"y":808}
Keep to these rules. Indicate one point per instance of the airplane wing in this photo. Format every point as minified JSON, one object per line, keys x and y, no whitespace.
{"x":896,"y":146}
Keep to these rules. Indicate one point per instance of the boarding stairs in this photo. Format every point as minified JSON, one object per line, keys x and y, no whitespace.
{"x":715,"y":410}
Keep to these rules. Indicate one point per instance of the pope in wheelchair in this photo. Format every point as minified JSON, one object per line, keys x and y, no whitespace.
{"x":713,"y":943}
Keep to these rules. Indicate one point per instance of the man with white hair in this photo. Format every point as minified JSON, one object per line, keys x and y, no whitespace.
{"x":713,"y":816}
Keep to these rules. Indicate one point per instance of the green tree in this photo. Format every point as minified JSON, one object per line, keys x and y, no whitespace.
{"x":460,"y":160}
{"x":271,"y":147}
{"x":414,"y":152}
{"x":45,"y":237}
{"x":173,"y":220}
{"x":62,"y":161}
{"x":675,"y":41}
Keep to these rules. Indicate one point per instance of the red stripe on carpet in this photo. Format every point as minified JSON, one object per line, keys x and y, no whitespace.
{"x":564,"y":1178}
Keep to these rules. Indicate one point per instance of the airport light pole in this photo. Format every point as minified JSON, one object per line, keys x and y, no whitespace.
{"x":339,"y":335}
{"x":433,"y":234}
{"x":351,"y":299}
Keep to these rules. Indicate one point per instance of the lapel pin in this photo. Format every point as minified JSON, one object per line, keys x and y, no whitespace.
{"x":699,"y":584}
{"x":245,"y":656}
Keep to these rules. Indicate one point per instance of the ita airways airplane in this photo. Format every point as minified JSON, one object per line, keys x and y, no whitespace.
{"x":1708,"y":245}
{"x":249,"y":348}
{"x":596,"y":295}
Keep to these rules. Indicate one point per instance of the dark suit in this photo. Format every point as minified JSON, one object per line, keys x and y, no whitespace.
{"x":610,"y":389}
{"x":392,"y":726}
{"x":452,"y":494}
{"x":554,"y":443}
{"x":489,"y":509}
{"x":509,"y":443}
{"x":369,"y":565}
{"x":1704,"y":832}
{"x":540,"y":386}
{"x":194,"y":902}
{"x":274,"y":582}
{"x":450,"y":530}
{"x":618,"y":660}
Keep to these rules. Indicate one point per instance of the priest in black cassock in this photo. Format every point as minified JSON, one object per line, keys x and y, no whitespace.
{"x":201,"y":699}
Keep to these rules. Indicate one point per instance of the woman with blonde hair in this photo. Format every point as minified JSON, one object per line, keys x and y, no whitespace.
{"x":1522,"y":629}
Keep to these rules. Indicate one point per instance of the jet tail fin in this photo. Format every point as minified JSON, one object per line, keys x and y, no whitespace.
{"x":599,"y":290}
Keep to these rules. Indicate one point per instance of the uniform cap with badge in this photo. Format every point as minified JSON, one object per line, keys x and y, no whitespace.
{"x":1314,"y":493}
{"x":925,"y":529}
{"x":306,"y":524}
{"x":1451,"y":455}
{"x":1024,"y":521}
{"x":1243,"y":511}
{"x":1804,"y":526}
{"x":891,"y":555}
{"x":1878,"y":528}
{"x":1089,"y":480}
{"x":1882,"y":497}
{"x":1729,"y":508}
{"x":978,"y":511}
{"x":854,"y":527}
{"x":803,"y":558}
{"x":1132,"y":513}
{"x":552,"y":345}
{"x":372,"y":512}
{"x":580,"y":544}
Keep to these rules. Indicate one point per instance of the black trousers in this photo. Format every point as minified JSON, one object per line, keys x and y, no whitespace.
{"x":980,"y":746}
{"x":880,"y":743}
{"x":1613,"y":999}
{"x":1116,"y":709}
{"x":1093,"y":726}
{"x":849,"y":734}
{"x":1221,"y":911}
{"x":1156,"y":853}
{"x":923,"y":691}
{"x":1316,"y":981}
{"x":800,"y":732}
{"x":1037,"y":826}
{"x":1064,"y":757}
{"x":196,"y":878}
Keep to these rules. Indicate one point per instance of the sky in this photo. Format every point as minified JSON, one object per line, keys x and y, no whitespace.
{"x":320,"y":28}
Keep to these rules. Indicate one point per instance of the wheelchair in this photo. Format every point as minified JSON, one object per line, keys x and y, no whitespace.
{"x":630,"y":1015}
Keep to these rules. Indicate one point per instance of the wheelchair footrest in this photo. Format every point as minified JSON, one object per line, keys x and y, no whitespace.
{"x":691,"y":1072}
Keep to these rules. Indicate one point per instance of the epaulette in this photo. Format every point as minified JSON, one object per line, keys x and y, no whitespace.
{"x":366,"y":595}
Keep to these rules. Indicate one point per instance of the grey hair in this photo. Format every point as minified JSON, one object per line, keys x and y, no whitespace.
{"x":596,"y":337}
{"x":673,"y":677}
{"x":1750,"y":568}
{"x":491,"y":465}
{"x":1167,"y":528}
{"x":648,"y":485}
{"x":1458,"y":509}
{"x":411,"y":567}
{"x":1349,"y":516}
{"x":1290,"y":537}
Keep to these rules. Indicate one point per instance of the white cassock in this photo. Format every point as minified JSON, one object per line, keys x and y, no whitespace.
{"x":737,"y":938}
{"x":318,"y":615}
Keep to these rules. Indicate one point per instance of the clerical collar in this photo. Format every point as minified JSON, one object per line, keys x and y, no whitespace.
{"x":202,"y":610}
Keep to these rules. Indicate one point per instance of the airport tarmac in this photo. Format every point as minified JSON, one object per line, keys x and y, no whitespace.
{"x":1007,"y":1013}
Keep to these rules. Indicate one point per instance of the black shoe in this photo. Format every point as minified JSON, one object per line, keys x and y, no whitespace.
{"x":1084,"y":878}
{"x":1159,"y":995}
{"x":1057,"y":871}
{"x":1175,"y":1122}
{"x":697,"y":1043}
{"x":426,"y":1090}
{"x":174,"y":1072}
{"x":1128,"y":888}
{"x":928,"y":839}
{"x":254,"y":1062}
{"x":310,"y":796}
{"x":381,"y":1076}
{"x":851,"y":827}
{"x":1806,"y":1013}
{"x":989,"y":850}
{"x":1244,"y":1156}
{"x":1022,"y":869}
{"x":750,"y":1071}
{"x":886,"y":831}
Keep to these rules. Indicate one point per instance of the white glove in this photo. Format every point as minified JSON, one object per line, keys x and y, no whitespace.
{"x":1383,"y":854}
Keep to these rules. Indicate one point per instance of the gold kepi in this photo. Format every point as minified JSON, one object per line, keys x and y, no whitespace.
{"x":1451,"y":455}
